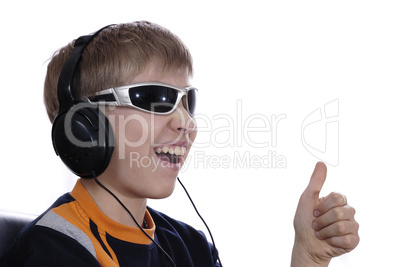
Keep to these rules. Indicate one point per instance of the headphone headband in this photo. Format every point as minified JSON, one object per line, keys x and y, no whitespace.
{"x":64,"y":90}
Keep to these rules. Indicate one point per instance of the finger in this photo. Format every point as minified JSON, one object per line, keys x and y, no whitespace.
{"x":339,"y":228}
{"x":329,"y":202}
{"x":347,"y":242}
{"x":317,"y":180}
{"x":344,"y":213}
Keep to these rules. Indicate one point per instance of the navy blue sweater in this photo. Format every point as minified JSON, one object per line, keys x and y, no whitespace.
{"x":73,"y":232}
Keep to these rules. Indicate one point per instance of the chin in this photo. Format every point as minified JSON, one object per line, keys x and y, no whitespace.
{"x":161,"y":195}
{"x":163,"y":192}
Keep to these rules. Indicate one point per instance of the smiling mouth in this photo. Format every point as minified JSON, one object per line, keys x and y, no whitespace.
{"x":172,"y":154}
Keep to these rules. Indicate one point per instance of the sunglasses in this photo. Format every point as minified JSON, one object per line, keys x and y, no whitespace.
{"x":153,"y":97}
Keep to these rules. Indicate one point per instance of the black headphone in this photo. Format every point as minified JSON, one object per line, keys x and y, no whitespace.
{"x":81,"y":134}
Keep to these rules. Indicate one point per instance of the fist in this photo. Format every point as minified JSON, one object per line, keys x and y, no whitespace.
{"x":324,"y":227}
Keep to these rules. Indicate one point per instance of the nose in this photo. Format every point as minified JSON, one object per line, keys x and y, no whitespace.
{"x":182,"y":121}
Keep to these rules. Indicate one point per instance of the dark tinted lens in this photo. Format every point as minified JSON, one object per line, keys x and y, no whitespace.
{"x":153,"y":98}
{"x":191,"y":101}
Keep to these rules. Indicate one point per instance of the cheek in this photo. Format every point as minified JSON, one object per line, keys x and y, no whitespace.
{"x":191,"y":139}
{"x":193,"y":135}
{"x":132,"y":134}
{"x":159,"y":127}
{"x":134,"y":129}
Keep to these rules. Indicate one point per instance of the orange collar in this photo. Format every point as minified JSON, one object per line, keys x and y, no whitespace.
{"x":105,"y":224}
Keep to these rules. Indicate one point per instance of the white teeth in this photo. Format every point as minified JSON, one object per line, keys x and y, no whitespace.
{"x":180,"y":150}
{"x":177,"y":150}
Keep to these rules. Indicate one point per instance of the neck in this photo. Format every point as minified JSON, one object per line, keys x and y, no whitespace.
{"x":111,"y":208}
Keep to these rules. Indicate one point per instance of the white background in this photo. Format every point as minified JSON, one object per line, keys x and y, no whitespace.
{"x":274,"y":58}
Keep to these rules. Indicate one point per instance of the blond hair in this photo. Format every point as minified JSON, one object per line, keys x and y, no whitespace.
{"x":117,"y":54}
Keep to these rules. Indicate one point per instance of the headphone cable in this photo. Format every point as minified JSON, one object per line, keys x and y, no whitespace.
{"x":202,"y":219}
{"x":131,"y":215}
{"x":140,"y":227}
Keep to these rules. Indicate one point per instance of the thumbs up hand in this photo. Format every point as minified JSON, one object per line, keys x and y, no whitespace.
{"x":324,"y":227}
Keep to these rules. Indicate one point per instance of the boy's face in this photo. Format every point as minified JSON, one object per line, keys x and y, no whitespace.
{"x":138,"y":167}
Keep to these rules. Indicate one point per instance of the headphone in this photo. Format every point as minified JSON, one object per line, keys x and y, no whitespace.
{"x":81,"y":134}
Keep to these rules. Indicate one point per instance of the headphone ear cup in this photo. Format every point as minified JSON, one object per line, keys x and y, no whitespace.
{"x":84,"y":140}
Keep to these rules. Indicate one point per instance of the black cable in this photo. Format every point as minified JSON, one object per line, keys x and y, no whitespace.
{"x":199,"y":215}
{"x":131,"y":215}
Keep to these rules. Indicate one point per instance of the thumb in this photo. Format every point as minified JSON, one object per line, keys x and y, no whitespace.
{"x":317,"y":180}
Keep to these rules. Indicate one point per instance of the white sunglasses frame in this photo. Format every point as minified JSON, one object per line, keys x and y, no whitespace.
{"x":122,"y":97}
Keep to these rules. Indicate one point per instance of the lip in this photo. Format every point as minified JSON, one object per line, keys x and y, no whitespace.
{"x":185,"y":144}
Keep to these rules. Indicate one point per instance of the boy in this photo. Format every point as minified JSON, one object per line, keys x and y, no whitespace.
{"x":131,"y":95}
